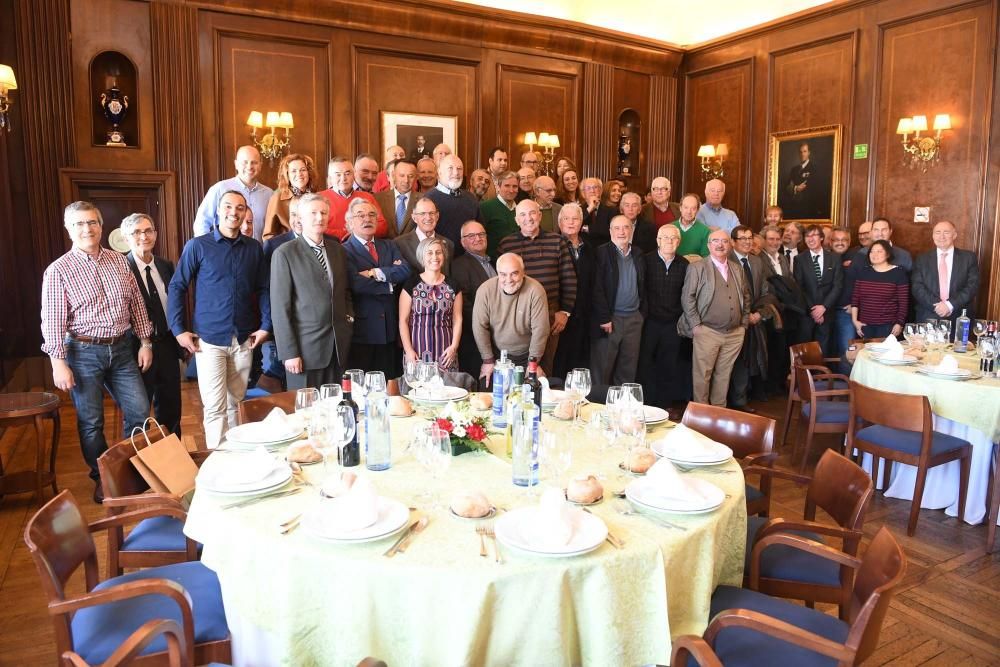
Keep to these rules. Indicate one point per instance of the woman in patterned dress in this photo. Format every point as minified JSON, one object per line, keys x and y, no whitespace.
{"x":430,"y":311}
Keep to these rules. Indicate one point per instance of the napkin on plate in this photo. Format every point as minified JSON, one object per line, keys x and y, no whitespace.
{"x":949,"y":364}
{"x":889,"y":346}
{"x":246,"y":468}
{"x":276,"y":426}
{"x":687,"y":444}
{"x":551,"y":525}
{"x":666,"y":483}
{"x":356,"y":509}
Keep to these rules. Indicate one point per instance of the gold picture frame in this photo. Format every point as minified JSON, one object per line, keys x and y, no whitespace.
{"x":807,"y":192}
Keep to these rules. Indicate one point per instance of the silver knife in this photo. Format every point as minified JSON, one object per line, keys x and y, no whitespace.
{"x":421,"y":524}
{"x":257,"y":499}
{"x":391,"y":551}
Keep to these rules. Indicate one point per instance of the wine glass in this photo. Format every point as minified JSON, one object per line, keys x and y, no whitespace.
{"x":374,"y":381}
{"x":331,"y":394}
{"x":633,"y":389}
{"x":410,"y":368}
{"x":305,"y":399}
{"x":437,"y":444}
{"x":979,"y":328}
{"x":579,"y":384}
{"x":632,"y":429}
{"x":555,"y":454}
{"x":909,"y":331}
{"x":340,"y":431}
{"x":357,"y":387}
{"x":944,"y":327}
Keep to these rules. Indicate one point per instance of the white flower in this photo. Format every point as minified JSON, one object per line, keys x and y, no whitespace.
{"x":458,"y":431}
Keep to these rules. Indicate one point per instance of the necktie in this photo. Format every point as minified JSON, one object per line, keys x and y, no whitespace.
{"x":746,"y":272}
{"x":157,"y":315}
{"x":788,"y":254}
{"x":321,"y":256}
{"x":372,"y":251}
{"x":400,"y":212}
{"x":816,"y":269}
{"x":942,"y":277}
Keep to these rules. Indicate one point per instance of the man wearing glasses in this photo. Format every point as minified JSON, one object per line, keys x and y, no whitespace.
{"x":425,"y":215}
{"x":545,"y":193}
{"x":752,"y":360}
{"x":90,"y":303}
{"x":468,"y":272}
{"x":153,"y":274}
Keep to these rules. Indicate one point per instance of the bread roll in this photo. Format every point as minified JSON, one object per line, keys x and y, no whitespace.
{"x":481,"y":401}
{"x":640,"y":460}
{"x":563,"y":410}
{"x":584,"y":490}
{"x":471,"y":505}
{"x":400,"y":407}
{"x":304,"y":452}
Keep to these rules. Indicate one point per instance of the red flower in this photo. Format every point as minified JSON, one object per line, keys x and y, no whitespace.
{"x":476,"y":432}
{"x":445,"y":424}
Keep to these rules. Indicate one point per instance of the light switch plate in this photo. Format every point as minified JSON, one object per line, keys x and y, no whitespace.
{"x":921,"y":214}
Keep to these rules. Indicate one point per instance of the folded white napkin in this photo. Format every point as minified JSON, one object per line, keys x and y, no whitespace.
{"x":893,"y":353}
{"x":246,"y":469}
{"x":356,"y":509}
{"x":890,"y":343}
{"x":276,"y":426}
{"x":552,"y":524}
{"x":684,"y":443}
{"x":949,"y":364}
{"x":666,"y":483}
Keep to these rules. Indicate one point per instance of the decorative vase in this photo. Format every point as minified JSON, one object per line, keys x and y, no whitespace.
{"x":115,"y":107}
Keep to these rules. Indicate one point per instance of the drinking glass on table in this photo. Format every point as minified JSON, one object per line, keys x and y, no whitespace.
{"x":331,"y":393}
{"x":305,"y":399}
{"x":979,"y":328}
{"x":357,"y":377}
{"x":340,"y":426}
{"x":433,"y":450}
{"x":631,"y":429}
{"x":578,"y":384}
{"x":633,"y":389}
{"x":555,"y":455}
{"x":909,"y":331}
{"x":410,"y":373}
{"x":374,"y":381}
{"x":988,"y":351}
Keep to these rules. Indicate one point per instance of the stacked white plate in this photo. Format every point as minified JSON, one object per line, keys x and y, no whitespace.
{"x":517,"y":529}
{"x":551,"y":398}
{"x":230,"y":474}
{"x":320,"y":522}
{"x":254,"y":435}
{"x":443,"y":395}
{"x":655,"y":415}
{"x":942,"y":374}
{"x":711,"y":454}
{"x":906,"y":360}
{"x":705,"y":497}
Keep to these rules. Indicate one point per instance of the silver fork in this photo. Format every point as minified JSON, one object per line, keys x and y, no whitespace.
{"x":493,"y":536}
{"x":625,"y":511}
{"x":481,"y":530}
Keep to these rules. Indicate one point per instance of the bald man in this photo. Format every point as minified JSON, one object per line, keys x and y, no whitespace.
{"x":257,"y":195}
{"x":660,"y":210}
{"x":712,"y":212}
{"x":455,"y":205}
{"x":945,"y":280}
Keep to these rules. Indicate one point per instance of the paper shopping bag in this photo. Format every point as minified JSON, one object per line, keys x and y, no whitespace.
{"x":166,"y":465}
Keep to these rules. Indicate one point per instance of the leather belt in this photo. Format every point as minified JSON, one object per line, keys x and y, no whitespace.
{"x":111,"y":340}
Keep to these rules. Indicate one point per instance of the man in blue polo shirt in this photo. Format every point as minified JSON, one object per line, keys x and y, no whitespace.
{"x":228,"y":270}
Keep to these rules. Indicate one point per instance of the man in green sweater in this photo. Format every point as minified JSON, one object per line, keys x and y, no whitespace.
{"x":694,"y":232}
{"x":498,"y":213}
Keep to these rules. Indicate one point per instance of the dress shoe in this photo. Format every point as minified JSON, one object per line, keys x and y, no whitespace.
{"x":98,"y":493}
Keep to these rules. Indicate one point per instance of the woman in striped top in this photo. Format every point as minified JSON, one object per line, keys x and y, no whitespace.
{"x":881,"y":295}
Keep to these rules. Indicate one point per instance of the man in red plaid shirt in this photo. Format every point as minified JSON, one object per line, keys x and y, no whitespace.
{"x":90,"y":301}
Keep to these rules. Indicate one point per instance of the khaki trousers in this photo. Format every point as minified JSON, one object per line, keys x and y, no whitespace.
{"x":714,"y":355}
{"x":222,"y":383}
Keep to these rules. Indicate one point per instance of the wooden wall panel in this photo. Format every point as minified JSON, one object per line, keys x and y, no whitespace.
{"x":812,"y":85}
{"x":446,"y":87}
{"x":661,"y":130}
{"x":911,"y":83}
{"x":718,"y":111}
{"x":599,"y":132}
{"x":631,"y":91}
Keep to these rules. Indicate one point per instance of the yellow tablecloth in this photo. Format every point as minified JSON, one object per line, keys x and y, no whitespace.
{"x":297,"y":600}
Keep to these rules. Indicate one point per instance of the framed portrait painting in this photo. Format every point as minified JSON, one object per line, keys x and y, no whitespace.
{"x":803,"y":175}
{"x":418,"y":134}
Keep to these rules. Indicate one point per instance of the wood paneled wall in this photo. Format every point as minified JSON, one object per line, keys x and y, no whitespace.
{"x":862,"y":65}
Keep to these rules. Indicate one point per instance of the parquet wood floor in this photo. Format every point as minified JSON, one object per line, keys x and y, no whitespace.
{"x":948,"y":613}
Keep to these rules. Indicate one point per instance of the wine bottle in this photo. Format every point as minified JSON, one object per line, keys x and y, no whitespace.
{"x":536,"y":386}
{"x":352,"y":452}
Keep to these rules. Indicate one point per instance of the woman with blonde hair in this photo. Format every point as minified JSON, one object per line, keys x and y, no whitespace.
{"x":296,"y":177}
{"x":430,"y":310}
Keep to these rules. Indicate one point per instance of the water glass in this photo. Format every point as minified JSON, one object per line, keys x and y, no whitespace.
{"x":305,"y":399}
{"x":340,"y":431}
{"x":437,"y":457}
{"x":909,"y":331}
{"x":410,"y":374}
{"x":374,"y":381}
{"x":579,"y":384}
{"x":357,"y":377}
{"x":555,"y":455}
{"x":634,"y":390}
{"x":331,"y":394}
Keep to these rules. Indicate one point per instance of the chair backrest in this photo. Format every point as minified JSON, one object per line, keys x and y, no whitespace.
{"x":803,"y":381}
{"x":119,"y":477}
{"x":255,"y":409}
{"x":902,"y":411}
{"x":842,"y":489}
{"x":744,"y":433}
{"x":881,"y":573}
{"x":808,"y":354}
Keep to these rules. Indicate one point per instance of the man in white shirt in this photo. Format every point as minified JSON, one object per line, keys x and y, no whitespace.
{"x":247,"y":165}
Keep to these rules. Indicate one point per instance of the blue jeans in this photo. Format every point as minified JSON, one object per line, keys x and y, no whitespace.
{"x":843,"y":331}
{"x":99,"y":367}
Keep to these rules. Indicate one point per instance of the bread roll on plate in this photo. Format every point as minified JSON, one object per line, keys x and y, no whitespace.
{"x":304,"y":452}
{"x":481,"y":401}
{"x":584,"y":490}
{"x":640,"y":460}
{"x":471,"y":505}
{"x":400,"y":407}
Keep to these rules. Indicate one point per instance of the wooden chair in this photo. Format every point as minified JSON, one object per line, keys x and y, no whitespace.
{"x":255,"y":409}
{"x":841,"y":489}
{"x":751,"y":437}
{"x":901,"y":429}
{"x":993,"y":501}
{"x":748,"y":627}
{"x":154,"y":541}
{"x":808,"y":354}
{"x":178,"y":650}
{"x":824,"y":413}
{"x":60,"y":542}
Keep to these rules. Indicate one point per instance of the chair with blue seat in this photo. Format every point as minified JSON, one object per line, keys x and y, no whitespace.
{"x":820,"y":407}
{"x":751,"y":629}
{"x":95,"y":623}
{"x":178,"y":650}
{"x":808,"y":354}
{"x":843,"y":490}
{"x":899,"y":427}
{"x":157,"y":539}
{"x":751,"y":437}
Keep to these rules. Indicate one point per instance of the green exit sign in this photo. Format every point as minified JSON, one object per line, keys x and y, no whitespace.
{"x":860,"y":151}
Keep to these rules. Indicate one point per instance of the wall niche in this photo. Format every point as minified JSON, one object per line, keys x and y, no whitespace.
{"x":113,"y":91}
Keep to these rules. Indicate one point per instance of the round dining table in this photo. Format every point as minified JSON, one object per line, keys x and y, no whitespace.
{"x":296,"y":599}
{"x":966,"y":409}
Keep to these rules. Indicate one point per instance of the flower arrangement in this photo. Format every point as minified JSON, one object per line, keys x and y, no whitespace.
{"x":466,"y":431}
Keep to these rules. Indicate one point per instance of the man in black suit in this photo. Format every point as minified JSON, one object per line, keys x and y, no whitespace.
{"x":752,"y":360}
{"x":312,"y":313}
{"x":820,"y":275}
{"x":468,"y":272}
{"x":163,"y":378}
{"x":376,"y":270}
{"x":945,"y":280}
{"x":421,"y":150}
{"x":804,"y":191}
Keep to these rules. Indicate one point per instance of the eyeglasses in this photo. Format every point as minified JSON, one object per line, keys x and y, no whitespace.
{"x":80,"y":224}
{"x":136,"y":233}
{"x":420,"y":214}
{"x":744,"y":238}
{"x":718,"y":241}
{"x":474,"y":235}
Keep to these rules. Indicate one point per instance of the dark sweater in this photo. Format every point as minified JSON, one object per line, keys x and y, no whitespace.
{"x":881,"y":298}
{"x":455,"y":212}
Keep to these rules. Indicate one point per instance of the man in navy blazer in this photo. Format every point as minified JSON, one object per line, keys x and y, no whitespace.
{"x":163,"y":378}
{"x":376,"y":271}
{"x":943,"y":291}
{"x":820,"y":275}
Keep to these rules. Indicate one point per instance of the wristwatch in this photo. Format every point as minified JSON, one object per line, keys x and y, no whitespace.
{"x":147,"y":346}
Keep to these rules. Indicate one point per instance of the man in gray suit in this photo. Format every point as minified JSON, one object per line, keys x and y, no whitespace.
{"x":425,"y":215}
{"x":397,"y":202}
{"x":716,"y":302}
{"x":752,"y":360}
{"x":313,"y":315}
{"x":945,"y":280}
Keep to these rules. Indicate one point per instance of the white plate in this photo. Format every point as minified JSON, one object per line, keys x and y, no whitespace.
{"x":238,"y":445}
{"x":254,"y":434}
{"x":960,"y":374}
{"x":553,"y":396}
{"x":589,"y":533}
{"x":639,"y":492}
{"x":392,"y":517}
{"x":655,"y":415}
{"x":450,"y":394}
{"x":724,"y":454}
{"x":907,"y":360}
{"x":277,"y":477}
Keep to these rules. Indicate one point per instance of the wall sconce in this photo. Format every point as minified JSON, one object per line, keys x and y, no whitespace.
{"x":545,"y":141}
{"x":923,"y":151}
{"x":7,"y":83}
{"x":712,"y":161}
{"x":271,"y":146}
